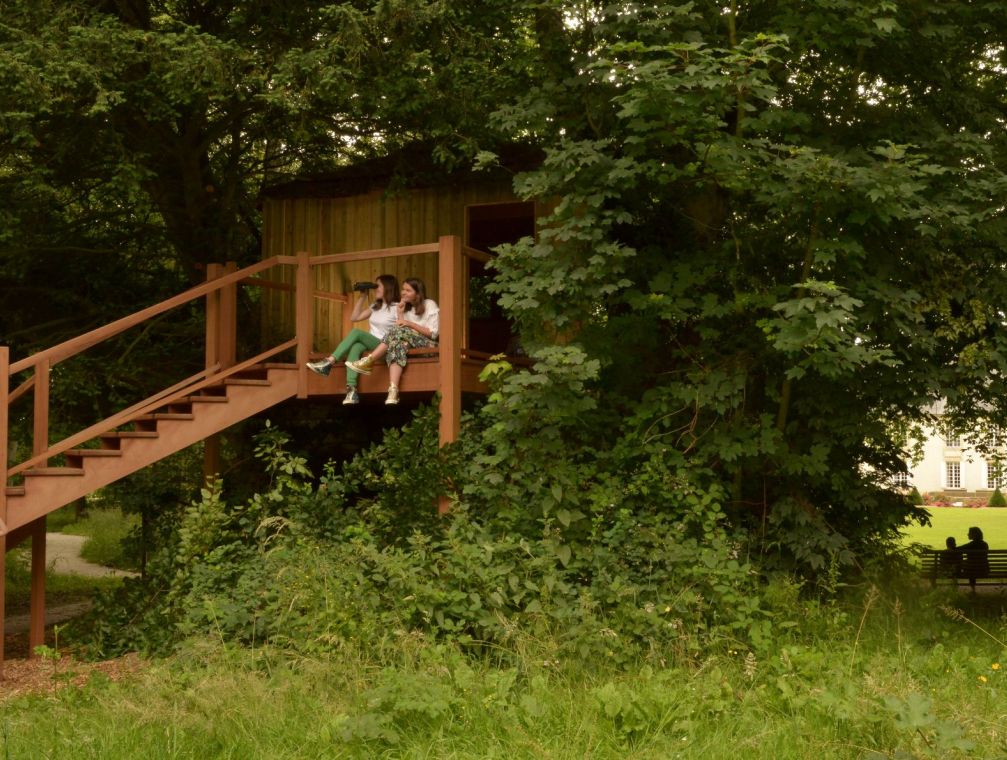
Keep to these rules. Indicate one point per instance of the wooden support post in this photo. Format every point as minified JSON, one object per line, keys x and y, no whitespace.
{"x":304,"y":300}
{"x":213,"y":272}
{"x":4,"y":391}
{"x":227,"y":342}
{"x":36,"y":627}
{"x":3,"y":583}
{"x":450,"y":292}
{"x":211,"y":456}
{"x":40,"y":440}
{"x":211,"y":446}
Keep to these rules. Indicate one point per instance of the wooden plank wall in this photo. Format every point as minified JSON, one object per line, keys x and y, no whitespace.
{"x":359,"y":223}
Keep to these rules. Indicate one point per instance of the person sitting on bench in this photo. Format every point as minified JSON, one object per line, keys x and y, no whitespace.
{"x":976,"y":553}
{"x":949,"y":561}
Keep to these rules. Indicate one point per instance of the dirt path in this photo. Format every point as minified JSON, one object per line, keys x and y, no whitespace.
{"x":62,"y":555}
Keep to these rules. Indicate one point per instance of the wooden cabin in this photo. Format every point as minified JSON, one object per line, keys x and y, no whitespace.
{"x":366,"y":209}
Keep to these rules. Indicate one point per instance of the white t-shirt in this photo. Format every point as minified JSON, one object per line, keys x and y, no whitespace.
{"x":431,"y":317}
{"x":382,"y":319}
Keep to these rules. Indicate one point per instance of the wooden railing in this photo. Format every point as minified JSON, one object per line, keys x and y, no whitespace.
{"x":220,"y":292}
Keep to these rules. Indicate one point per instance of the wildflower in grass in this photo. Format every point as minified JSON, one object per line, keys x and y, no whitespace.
{"x":982,"y":678}
{"x":995,"y":666}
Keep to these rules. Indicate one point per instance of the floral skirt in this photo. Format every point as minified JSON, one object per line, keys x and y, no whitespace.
{"x":399,"y":340}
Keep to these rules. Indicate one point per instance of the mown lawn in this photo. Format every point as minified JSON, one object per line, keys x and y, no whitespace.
{"x":956,"y":521}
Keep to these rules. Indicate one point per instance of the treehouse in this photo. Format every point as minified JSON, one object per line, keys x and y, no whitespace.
{"x":355,"y":227}
{"x":319,"y":237}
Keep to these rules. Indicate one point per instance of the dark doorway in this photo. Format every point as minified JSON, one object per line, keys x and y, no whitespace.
{"x":488,"y":226}
{"x":492,"y":224}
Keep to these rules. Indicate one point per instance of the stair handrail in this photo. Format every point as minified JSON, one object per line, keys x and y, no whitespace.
{"x":42,"y":361}
{"x":193,"y":384}
{"x":83,"y":342}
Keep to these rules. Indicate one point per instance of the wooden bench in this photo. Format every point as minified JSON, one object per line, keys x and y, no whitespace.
{"x":942,"y":565}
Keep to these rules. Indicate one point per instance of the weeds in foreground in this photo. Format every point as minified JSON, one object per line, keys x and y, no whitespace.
{"x":956,"y":614}
{"x":869,"y":600}
{"x":923,"y":685}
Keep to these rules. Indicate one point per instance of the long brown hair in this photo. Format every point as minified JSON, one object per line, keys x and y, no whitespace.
{"x":390,"y":285}
{"x":421,"y":295}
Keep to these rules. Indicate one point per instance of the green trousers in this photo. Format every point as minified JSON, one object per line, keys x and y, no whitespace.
{"x":352,"y":347}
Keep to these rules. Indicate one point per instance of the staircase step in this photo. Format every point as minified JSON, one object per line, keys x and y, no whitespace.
{"x":76,"y":457}
{"x":165,"y":416}
{"x":282,"y":365}
{"x":246,"y":381}
{"x":113,"y":440}
{"x":208,"y":399}
{"x":182,"y":406}
{"x":46,"y":471}
{"x":94,"y":453}
{"x":15,"y":490}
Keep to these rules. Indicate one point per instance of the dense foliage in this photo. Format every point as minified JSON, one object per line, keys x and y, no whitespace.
{"x":481,"y":631}
{"x":362,"y":555}
{"x":779,"y":239}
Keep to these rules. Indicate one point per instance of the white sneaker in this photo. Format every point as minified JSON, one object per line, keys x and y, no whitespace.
{"x":352,"y":397}
{"x":393,"y":395}
{"x":323,"y":366}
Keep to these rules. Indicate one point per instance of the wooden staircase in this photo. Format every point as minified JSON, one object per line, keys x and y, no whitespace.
{"x":227,"y":391}
{"x":147,"y":439}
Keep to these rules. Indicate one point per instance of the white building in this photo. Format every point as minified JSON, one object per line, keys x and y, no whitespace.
{"x":950,"y":464}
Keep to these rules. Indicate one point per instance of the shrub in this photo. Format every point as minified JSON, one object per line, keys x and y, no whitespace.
{"x":998,"y":500}
{"x":316,"y":569}
{"x":915,"y":498}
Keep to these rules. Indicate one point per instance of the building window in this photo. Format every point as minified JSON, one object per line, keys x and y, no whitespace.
{"x":954,"y":474}
{"x":901,"y":480}
{"x":995,"y":477}
{"x":952,"y":440}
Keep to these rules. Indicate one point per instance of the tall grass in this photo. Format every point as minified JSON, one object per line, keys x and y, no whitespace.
{"x":881,"y":676}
